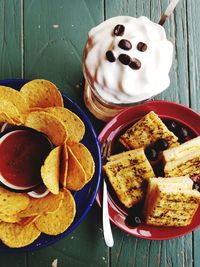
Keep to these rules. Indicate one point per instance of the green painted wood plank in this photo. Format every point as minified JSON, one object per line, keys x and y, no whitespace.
{"x":14,"y":260}
{"x":10,"y":39}
{"x":55,"y":35}
{"x":82,"y":248}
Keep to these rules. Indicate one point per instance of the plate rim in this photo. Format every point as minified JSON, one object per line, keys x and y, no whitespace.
{"x":106,"y":128}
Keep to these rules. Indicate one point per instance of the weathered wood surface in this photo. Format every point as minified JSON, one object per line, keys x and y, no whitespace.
{"x":45,"y":39}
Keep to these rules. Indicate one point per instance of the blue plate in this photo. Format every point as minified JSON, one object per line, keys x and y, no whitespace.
{"x":83,"y":198}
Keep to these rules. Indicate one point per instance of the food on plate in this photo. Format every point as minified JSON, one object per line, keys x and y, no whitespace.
{"x":147,"y":131}
{"x":7,"y":93}
{"x":15,"y":236}
{"x":126,"y":60}
{"x":76,"y":176}
{"x":10,"y":113}
{"x":10,"y":218}
{"x":58,"y":221}
{"x":84,"y":157}
{"x":11,"y":202}
{"x":50,"y":170}
{"x":128,"y":173}
{"x":66,"y":165}
{"x":13,"y":106}
{"x":170,"y":203}
{"x":38,"y":206}
{"x":183,"y":159}
{"x":22,"y":152}
{"x":170,"y":194}
{"x":47,"y":124}
{"x":41,"y":93}
{"x":73,"y":124}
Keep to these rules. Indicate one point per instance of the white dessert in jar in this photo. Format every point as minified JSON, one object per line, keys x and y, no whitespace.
{"x":127,"y":60}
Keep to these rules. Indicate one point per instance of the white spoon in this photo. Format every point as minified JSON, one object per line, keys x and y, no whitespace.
{"x":107,"y":231}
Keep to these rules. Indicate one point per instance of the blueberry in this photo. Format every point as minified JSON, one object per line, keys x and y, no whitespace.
{"x":171,"y":125}
{"x":151,"y":153}
{"x":196,"y":186}
{"x":183,"y":133}
{"x":161,"y":144}
{"x":135,"y":216}
{"x":133,"y":221}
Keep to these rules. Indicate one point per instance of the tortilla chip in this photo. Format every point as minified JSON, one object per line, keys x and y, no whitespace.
{"x":14,"y":218}
{"x":76,"y":176}
{"x":47,"y":124}
{"x":73,"y":124}
{"x":10,"y":113}
{"x":57,"y":222}
{"x":63,"y":165}
{"x":84,"y":157}
{"x":38,"y":206}
{"x":11,"y":202}
{"x":14,"y":96}
{"x":28,"y":220}
{"x":16,"y":236}
{"x":50,"y":171}
{"x":41,"y":93}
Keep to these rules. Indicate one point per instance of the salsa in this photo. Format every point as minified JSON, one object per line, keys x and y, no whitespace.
{"x":22,"y":153}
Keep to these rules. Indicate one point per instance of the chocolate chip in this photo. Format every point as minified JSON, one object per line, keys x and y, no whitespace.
{"x":110,"y":56}
{"x":135,"y":64}
{"x":124,"y":59}
{"x":142,"y":47}
{"x":125,"y":44}
{"x":119,"y":30}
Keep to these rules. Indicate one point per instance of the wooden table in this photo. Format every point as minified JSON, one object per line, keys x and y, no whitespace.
{"x":45,"y":39}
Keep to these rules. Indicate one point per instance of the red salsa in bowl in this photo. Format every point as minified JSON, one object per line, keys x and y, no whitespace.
{"x":22,"y":153}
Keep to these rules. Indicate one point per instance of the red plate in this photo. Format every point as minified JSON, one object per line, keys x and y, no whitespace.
{"x":165,"y":110}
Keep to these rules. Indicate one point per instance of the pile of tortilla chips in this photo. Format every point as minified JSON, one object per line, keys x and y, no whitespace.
{"x":69,"y":165}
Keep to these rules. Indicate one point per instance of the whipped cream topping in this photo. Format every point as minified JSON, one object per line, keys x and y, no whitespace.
{"x":127,"y":59}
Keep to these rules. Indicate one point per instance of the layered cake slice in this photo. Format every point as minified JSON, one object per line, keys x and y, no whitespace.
{"x":183,"y":159}
{"x":170,"y":203}
{"x":128,"y":173}
{"x":147,"y":131}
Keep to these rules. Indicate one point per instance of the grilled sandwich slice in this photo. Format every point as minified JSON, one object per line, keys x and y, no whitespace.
{"x":173,"y":205}
{"x":128,"y":173}
{"x":182,"y":182}
{"x":184,"y":159}
{"x":146,"y":131}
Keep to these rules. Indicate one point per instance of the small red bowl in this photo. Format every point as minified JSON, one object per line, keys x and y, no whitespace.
{"x":165,"y":110}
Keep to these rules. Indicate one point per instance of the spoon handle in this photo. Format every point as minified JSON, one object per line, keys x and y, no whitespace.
{"x":107,"y":232}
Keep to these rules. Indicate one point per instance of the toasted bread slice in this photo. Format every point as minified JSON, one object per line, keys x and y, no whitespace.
{"x":127,"y":173}
{"x":146,"y":131}
{"x":183,"y":150}
{"x":187,"y":165}
{"x":182,"y":182}
{"x":170,"y":207}
{"x":183,"y":159}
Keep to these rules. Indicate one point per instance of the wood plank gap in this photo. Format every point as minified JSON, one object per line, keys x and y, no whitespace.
{"x":193,"y":249}
{"x":26,"y":260}
{"x":109,"y":257}
{"x":22,"y":39}
{"x":148,"y":250}
{"x":104,"y":9}
{"x":175,"y":48}
{"x":120,"y":249}
{"x":188,"y":56}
